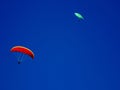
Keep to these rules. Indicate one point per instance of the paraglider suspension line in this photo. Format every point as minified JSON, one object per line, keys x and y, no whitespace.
{"x":20,"y":58}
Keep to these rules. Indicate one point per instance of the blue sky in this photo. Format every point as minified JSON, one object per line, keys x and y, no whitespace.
{"x":70,"y":54}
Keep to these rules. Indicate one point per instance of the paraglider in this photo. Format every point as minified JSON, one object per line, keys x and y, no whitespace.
{"x":23,"y":50}
{"x":78,"y":15}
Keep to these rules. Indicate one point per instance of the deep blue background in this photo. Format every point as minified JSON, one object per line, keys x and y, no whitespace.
{"x":69,"y":54}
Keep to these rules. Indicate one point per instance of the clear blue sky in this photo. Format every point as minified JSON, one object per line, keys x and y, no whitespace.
{"x":70,"y":54}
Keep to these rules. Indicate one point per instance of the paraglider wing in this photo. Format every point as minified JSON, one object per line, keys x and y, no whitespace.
{"x":79,"y":15}
{"x":23,"y":50}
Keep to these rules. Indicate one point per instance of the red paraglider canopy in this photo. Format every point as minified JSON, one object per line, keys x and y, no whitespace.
{"x":23,"y":50}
